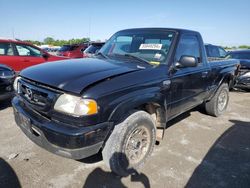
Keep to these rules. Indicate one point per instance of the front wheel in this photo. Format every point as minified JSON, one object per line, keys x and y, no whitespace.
{"x":218,"y":104}
{"x":130,"y":144}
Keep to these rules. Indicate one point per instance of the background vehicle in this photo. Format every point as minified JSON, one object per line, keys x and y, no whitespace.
{"x":243,"y":56}
{"x":72,"y":51}
{"x":92,"y":49}
{"x":243,"y":80}
{"x":7,"y":76}
{"x":214,"y":51}
{"x":120,"y":101}
{"x":19,"y":55}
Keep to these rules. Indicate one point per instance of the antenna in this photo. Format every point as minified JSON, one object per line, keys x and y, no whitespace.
{"x":13,"y":33}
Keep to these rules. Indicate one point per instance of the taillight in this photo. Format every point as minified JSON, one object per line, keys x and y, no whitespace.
{"x":84,"y":55}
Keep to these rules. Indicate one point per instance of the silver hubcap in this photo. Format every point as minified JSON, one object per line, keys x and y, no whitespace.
{"x":222,"y":100}
{"x":137,"y":145}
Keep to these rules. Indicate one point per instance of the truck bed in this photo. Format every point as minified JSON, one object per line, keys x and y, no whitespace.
{"x":213,"y":62}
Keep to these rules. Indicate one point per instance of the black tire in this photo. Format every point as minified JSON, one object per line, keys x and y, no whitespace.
{"x":213,"y":106}
{"x":247,"y":89}
{"x":115,"y":150}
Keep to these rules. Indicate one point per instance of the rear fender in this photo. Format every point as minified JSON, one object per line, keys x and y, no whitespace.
{"x":228,"y":75}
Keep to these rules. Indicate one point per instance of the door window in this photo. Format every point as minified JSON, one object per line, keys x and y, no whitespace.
{"x":26,"y":50}
{"x":223,"y":53}
{"x":188,"y":45}
{"x":6,"y":49}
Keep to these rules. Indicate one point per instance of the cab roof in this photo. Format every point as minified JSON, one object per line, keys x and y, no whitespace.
{"x":14,"y":40}
{"x":160,"y":29}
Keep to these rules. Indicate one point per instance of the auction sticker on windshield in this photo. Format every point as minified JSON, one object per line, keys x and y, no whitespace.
{"x":150,"y":46}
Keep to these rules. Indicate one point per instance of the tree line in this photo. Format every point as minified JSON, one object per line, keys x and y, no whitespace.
{"x":55,"y":42}
{"x":236,"y":47}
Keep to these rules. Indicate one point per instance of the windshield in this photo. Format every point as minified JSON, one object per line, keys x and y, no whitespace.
{"x":149,"y":45}
{"x":241,"y":55}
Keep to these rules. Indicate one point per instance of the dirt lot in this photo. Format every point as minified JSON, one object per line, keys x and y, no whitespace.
{"x":197,"y":151}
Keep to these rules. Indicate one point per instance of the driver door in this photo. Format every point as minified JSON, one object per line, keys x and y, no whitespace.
{"x":188,"y":84}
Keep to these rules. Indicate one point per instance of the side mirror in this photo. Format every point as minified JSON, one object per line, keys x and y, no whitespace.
{"x":186,"y":61}
{"x":45,"y":55}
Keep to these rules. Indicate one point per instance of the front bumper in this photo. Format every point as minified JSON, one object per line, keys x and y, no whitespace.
{"x":59,"y":138}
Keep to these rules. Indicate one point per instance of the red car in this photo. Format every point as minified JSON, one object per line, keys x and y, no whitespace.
{"x":72,"y":51}
{"x":19,"y":55}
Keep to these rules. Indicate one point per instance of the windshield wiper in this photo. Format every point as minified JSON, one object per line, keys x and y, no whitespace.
{"x":103,"y":55}
{"x":137,"y":58}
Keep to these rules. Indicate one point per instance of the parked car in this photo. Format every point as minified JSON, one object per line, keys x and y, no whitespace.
{"x":7,"y":76}
{"x":120,"y":101}
{"x":93,"y":49}
{"x":243,"y":80}
{"x":214,"y":51}
{"x":72,"y":51}
{"x":19,"y":55}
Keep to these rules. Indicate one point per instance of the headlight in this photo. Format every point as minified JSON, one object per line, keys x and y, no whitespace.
{"x":75,"y":106}
{"x":6,"y":74}
{"x":15,"y":84}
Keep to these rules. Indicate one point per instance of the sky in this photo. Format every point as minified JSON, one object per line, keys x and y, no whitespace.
{"x":221,"y":22}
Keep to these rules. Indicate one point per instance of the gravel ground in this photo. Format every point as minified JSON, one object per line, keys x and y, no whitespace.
{"x":198,"y":151}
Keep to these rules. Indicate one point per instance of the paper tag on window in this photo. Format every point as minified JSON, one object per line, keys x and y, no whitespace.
{"x":150,"y":46}
{"x":157,"y":56}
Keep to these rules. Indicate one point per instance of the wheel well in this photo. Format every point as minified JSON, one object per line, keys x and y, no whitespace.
{"x":158,"y":115}
{"x":229,"y":80}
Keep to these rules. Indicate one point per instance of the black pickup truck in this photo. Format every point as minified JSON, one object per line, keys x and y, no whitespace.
{"x":118,"y":103}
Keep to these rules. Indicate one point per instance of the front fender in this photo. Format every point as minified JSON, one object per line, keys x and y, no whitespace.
{"x":133,"y":100}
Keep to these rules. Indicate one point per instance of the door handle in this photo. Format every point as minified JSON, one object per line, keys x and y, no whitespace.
{"x":26,"y":60}
{"x":204,"y":74}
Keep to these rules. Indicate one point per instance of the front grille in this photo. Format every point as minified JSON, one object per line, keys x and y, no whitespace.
{"x":40,"y":104}
{"x":36,"y":96}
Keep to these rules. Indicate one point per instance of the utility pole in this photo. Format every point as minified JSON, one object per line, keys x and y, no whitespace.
{"x":89,"y":25}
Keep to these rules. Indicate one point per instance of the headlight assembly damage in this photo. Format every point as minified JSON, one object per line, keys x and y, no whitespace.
{"x":15,"y":84}
{"x":76,"y":106}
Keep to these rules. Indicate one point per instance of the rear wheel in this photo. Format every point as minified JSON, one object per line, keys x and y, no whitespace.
{"x":218,"y":104}
{"x":130,"y":144}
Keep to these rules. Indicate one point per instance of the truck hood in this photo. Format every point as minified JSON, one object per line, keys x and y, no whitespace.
{"x":76,"y":74}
